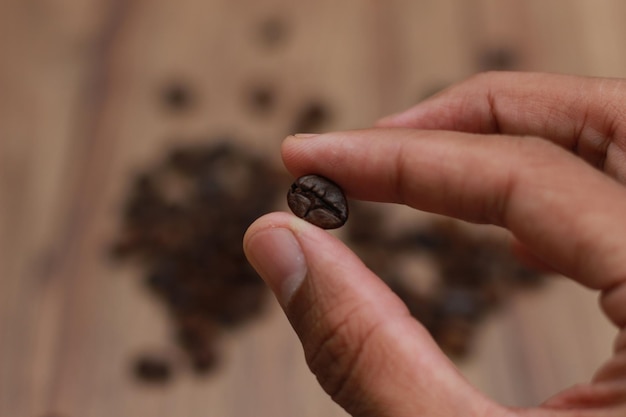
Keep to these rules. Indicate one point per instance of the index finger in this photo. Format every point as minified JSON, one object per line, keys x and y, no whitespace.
{"x":582,"y":114}
{"x":553,"y":202}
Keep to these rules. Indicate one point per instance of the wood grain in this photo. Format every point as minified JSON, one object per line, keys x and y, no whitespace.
{"x":80,"y":112}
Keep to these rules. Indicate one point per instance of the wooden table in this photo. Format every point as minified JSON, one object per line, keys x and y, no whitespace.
{"x":80,"y":111}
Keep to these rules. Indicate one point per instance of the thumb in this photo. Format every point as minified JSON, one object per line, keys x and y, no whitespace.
{"x":359,"y":339}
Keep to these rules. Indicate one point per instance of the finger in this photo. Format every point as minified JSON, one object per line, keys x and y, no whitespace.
{"x":613,"y":370}
{"x":569,"y":214}
{"x":584,"y":115}
{"x":359,"y":339}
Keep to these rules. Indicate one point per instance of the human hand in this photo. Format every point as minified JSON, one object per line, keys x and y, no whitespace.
{"x":541,"y":155}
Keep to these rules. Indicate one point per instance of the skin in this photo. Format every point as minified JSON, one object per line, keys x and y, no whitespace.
{"x":541,"y":155}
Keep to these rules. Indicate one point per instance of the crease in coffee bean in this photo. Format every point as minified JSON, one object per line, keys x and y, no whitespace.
{"x":319,"y":204}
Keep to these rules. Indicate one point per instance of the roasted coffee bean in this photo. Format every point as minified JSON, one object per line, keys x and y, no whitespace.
{"x":312,"y":118}
{"x":204,"y":361}
{"x":177,"y":96}
{"x":262,"y":100}
{"x":273,"y":31}
{"x":152,"y":369}
{"x":319,"y":201}
{"x":460,"y":302}
{"x":498,"y":59}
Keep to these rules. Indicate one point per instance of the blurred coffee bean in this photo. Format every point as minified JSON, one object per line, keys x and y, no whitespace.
{"x":422,"y":240}
{"x":460,"y":302}
{"x":273,"y":31}
{"x":204,"y":361}
{"x":498,"y":59}
{"x":261,"y":99}
{"x":312,"y":118}
{"x":177,"y":97}
{"x":152,"y":369}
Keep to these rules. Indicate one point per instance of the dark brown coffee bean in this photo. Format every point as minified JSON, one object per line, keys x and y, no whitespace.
{"x":498,"y":59}
{"x":319,"y":201}
{"x":204,"y":361}
{"x":177,"y":97}
{"x":262,"y":100}
{"x":273,"y":31}
{"x":152,"y":369}
{"x":312,"y":118}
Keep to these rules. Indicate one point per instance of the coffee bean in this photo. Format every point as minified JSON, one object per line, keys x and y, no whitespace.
{"x":319,"y":201}
{"x":152,"y":369}
{"x":177,"y":97}
{"x":204,"y":361}
{"x":498,"y":59}
{"x":262,"y":100}
{"x":273,"y":31}
{"x":312,"y":118}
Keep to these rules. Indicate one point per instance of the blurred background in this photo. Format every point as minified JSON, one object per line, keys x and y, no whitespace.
{"x":139,"y":138}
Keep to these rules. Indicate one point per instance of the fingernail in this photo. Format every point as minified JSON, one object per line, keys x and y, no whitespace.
{"x":305,"y":135}
{"x":276,"y":255}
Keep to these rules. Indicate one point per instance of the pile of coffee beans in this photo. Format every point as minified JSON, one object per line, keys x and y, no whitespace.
{"x":184,"y":221}
{"x":473,"y":274}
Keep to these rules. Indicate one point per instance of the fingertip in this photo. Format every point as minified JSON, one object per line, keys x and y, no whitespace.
{"x":292,"y":149}
{"x":267,"y":221}
{"x":273,"y":250}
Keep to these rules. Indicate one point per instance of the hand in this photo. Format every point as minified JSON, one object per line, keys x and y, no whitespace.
{"x":541,"y":155}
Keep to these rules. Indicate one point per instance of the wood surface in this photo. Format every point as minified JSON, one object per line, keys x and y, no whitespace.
{"x":80,"y":113}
